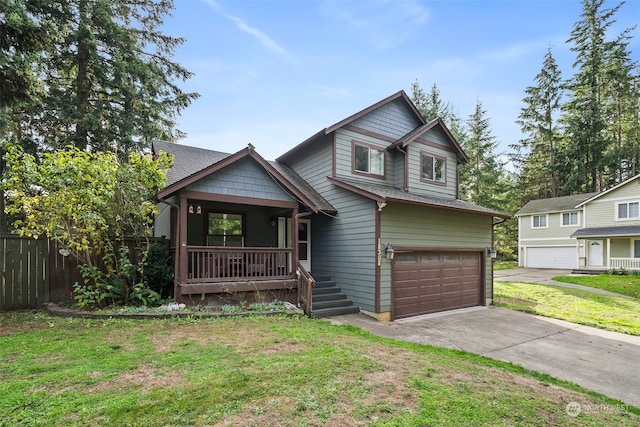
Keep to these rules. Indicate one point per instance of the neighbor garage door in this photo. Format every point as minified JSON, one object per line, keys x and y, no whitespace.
{"x":427,"y":282}
{"x":551,"y":257}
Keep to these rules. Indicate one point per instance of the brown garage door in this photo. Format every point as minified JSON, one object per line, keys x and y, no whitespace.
{"x":427,"y":282}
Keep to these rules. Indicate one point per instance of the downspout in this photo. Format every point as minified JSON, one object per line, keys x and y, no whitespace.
{"x":176,"y":260}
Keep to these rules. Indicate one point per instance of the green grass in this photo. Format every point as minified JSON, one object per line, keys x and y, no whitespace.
{"x":625,"y":285}
{"x":505,"y":265}
{"x":619,"y":314}
{"x":257,"y":371}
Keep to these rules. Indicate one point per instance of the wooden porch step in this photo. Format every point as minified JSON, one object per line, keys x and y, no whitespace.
{"x":335,"y":311}
{"x":329,"y":300}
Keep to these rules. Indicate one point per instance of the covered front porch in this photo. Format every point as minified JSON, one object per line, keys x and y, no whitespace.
{"x":609,"y":248}
{"x":238,"y":252}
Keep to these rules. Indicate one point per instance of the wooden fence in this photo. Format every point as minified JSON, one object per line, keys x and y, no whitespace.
{"x":24,"y":272}
{"x":33,"y":272}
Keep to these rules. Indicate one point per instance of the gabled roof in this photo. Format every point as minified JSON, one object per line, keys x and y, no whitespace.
{"x":554,"y":204}
{"x":192,"y":164}
{"x":421,"y":130}
{"x":615,"y":187}
{"x":326,"y":131}
{"x":386,"y":193}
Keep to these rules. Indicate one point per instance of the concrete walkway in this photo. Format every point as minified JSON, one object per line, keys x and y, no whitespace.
{"x":544,"y":277}
{"x":603,"y":361}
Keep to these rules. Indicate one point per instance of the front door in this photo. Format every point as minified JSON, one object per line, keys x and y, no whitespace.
{"x":304,"y":241}
{"x":595,"y":253}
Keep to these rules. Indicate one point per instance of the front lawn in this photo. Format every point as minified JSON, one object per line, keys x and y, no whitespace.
{"x":265,"y":371}
{"x":625,"y":285}
{"x":619,"y":314}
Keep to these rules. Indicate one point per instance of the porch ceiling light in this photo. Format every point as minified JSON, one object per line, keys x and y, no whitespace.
{"x":190,"y":209}
{"x":199,"y":210}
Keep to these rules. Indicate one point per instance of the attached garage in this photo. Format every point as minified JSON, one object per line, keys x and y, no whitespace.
{"x":551,"y":257}
{"x":429,"y":282}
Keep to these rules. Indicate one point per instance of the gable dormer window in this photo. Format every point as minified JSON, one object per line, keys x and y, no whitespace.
{"x":368,"y":159}
{"x":433,"y":168}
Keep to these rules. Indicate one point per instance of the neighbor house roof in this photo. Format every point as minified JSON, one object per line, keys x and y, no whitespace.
{"x":602,"y":193}
{"x":625,"y":230}
{"x":326,"y":131}
{"x":554,"y":204}
{"x":192,"y":163}
{"x":386,"y":193}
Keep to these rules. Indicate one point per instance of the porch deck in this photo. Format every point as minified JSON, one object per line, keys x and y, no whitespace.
{"x":229,"y":270}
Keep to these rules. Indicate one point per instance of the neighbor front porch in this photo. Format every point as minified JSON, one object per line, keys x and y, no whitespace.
{"x":603,"y":249}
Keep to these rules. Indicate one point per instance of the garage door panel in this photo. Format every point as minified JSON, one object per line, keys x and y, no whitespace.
{"x":551,"y":257}
{"x":442,"y":281}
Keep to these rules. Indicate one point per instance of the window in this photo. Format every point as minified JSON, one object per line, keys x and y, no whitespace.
{"x":629,"y":210}
{"x":636,"y":248}
{"x":433,"y":168}
{"x":368,"y":159}
{"x":569,"y":219}
{"x":225,"y":229}
{"x":539,"y":221}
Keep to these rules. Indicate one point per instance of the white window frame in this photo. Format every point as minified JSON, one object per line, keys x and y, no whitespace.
{"x":546,"y":221}
{"x":627,"y":218}
{"x":370,"y":147}
{"x":435,"y":162}
{"x":577,"y":223}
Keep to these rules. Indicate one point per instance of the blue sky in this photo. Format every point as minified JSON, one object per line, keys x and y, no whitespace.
{"x":272,"y":73}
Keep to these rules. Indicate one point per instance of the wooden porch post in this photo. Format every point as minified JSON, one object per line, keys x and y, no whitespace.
{"x":183,"y":270}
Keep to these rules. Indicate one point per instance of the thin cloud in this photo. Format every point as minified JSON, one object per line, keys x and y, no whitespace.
{"x":264,"y":39}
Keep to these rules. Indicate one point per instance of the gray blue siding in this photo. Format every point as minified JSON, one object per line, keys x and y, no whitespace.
{"x":244,"y":178}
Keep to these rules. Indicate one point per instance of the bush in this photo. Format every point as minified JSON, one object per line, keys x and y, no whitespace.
{"x":158,"y":269}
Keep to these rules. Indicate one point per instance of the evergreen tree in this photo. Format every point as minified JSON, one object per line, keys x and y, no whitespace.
{"x":431,"y":105}
{"x":109,"y":77}
{"x":539,"y":176}
{"x":585,"y":116}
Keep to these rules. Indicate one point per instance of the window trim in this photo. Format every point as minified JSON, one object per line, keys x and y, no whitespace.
{"x":381,"y":150}
{"x":617,"y":211}
{"x":633,"y":248}
{"x":434,"y":156}
{"x":225,"y":212}
{"x":577,"y":224}
{"x":546,"y":221}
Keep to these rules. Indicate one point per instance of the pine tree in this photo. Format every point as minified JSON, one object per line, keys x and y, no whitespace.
{"x":109,"y":76}
{"x":538,"y":120}
{"x":585,"y":116}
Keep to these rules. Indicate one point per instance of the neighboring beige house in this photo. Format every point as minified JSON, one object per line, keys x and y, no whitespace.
{"x":595,"y":231}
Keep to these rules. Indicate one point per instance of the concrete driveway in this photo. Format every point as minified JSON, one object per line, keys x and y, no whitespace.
{"x":606,"y":362}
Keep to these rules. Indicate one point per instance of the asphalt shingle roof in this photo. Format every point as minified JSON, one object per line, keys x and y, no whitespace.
{"x":626,"y":230}
{"x":554,"y":204}
{"x":398,"y":194}
{"x":187,"y":160}
{"x":191,"y":160}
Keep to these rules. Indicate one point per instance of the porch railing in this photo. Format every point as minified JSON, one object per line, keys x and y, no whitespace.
{"x":209,"y":264}
{"x":305,"y":288}
{"x":626,"y":263}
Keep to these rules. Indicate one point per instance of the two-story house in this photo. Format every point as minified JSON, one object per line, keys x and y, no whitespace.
{"x":592,"y":231}
{"x":370,"y":204}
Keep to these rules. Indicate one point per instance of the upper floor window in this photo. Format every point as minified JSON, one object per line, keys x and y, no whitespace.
{"x":433,"y":168}
{"x":569,"y":219}
{"x":539,"y":221}
{"x":628,"y":210}
{"x":368,"y":159}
